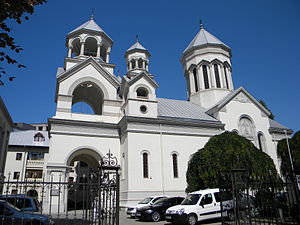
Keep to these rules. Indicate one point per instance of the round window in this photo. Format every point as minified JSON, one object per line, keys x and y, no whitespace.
{"x":143,"y":109}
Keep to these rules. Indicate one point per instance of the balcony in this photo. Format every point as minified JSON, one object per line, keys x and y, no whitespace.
{"x":38,"y":163}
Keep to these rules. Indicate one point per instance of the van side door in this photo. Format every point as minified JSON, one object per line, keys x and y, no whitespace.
{"x":208,"y":207}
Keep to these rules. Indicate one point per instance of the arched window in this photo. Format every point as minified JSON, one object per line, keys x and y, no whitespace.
{"x":140,"y":63}
{"x":90,"y":47}
{"x":247,"y":128}
{"x":205,"y":77}
{"x":175,"y":165}
{"x":226,"y":78}
{"x":196,"y":80}
{"x":76,"y":46}
{"x":217,"y":76}
{"x":142,"y":92}
{"x":261,"y":141}
{"x":132,"y":64}
{"x":145,"y":165}
{"x":39,"y":137}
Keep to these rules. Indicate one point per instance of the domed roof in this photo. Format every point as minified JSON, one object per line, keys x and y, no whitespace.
{"x":204,"y":38}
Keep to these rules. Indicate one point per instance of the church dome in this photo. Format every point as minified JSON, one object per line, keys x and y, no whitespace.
{"x":137,"y":46}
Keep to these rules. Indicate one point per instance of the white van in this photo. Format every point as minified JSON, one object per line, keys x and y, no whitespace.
{"x":197,"y":206}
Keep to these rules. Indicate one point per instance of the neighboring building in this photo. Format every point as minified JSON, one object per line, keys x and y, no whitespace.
{"x":6,"y":125}
{"x":153,"y":138}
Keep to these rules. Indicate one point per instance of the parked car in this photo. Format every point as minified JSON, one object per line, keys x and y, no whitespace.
{"x":10,"y":214}
{"x":23,"y":202}
{"x":131,"y":210}
{"x":197,"y":206}
{"x":157,"y":211}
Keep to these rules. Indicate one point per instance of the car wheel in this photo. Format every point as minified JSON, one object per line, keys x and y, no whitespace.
{"x":191,"y":219}
{"x":155,"y":216}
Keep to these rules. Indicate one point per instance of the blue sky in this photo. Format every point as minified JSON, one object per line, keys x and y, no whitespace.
{"x":264,"y":37}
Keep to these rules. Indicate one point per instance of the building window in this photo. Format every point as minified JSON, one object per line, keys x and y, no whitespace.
{"x":142,"y":92}
{"x":34,"y":173}
{"x":205,"y":77}
{"x":143,"y":109}
{"x":40,"y":128}
{"x":226,"y":78}
{"x":16,"y":175}
{"x":140,"y":63}
{"x":145,"y":165}
{"x":132,"y":64}
{"x":18,"y":156}
{"x":261,"y":141}
{"x":175,"y":165}
{"x":217,"y":76}
{"x":35,"y":156}
{"x":196,"y":80}
{"x":38,"y":137}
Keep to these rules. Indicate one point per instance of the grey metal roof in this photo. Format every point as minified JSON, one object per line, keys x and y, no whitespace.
{"x":26,"y":138}
{"x":137,"y":45}
{"x":89,"y":25}
{"x":182,"y":109}
{"x":275,"y":125}
{"x":203,"y":38}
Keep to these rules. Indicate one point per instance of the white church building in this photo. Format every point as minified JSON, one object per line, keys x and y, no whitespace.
{"x":153,"y":138}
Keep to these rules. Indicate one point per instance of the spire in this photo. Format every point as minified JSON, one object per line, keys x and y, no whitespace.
{"x":92,"y":16}
{"x":201,"y":25}
{"x":137,"y":38}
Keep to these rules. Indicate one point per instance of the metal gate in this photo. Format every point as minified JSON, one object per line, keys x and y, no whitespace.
{"x":249,"y":200}
{"x":94,"y":199}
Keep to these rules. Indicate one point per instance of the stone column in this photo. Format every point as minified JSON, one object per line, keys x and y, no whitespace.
{"x":107,"y":55}
{"x":192,"y":81}
{"x":200,"y":78}
{"x":70,"y":52}
{"x":137,"y":63}
{"x":82,"y":48}
{"x":144,"y":64}
{"x":98,"y":50}
{"x":211,"y":79}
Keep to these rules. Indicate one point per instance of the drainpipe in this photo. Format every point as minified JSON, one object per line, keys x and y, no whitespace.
{"x":162,"y":163}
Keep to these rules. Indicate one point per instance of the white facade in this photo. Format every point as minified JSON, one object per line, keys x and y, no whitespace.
{"x":153,"y":138}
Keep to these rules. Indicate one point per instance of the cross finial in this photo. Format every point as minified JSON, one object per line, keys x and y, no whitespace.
{"x":137,"y":38}
{"x":201,"y":24}
{"x":92,"y":16}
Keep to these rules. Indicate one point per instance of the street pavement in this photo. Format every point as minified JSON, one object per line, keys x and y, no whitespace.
{"x":125,"y":220}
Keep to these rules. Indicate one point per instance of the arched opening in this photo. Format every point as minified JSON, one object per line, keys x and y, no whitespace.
{"x":140,"y":63}
{"x":133,"y":64}
{"x":205,"y":77}
{"x":76,"y":45}
{"x":82,"y":166}
{"x":90,"y":47}
{"x":90,"y":98}
{"x":175,"y":165}
{"x":217,"y":76}
{"x":103,"y":52}
{"x":145,"y":165}
{"x":142,"y":92}
{"x":196,"y":80}
{"x":261,"y":141}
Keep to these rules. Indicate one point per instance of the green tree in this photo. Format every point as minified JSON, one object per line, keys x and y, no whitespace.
{"x":13,"y":10}
{"x":283,"y":153}
{"x":223,"y":153}
{"x":271,"y":116}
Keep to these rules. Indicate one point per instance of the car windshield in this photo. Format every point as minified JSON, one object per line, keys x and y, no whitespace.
{"x":14,"y":207}
{"x":191,"y":199}
{"x":161,"y":201}
{"x":146,"y":200}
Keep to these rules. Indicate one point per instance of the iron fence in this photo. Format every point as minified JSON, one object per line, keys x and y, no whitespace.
{"x":92,"y":199}
{"x":249,"y":200}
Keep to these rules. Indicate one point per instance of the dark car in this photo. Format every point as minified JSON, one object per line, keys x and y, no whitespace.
{"x":10,"y":214}
{"x":157,"y":211}
{"x":23,"y":202}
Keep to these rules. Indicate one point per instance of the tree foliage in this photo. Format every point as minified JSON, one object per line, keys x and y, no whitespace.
{"x":223,"y":153}
{"x":271,"y":116}
{"x":282,"y":151}
{"x":14,"y":10}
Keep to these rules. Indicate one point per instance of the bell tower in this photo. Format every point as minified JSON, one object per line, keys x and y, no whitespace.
{"x":88,"y":40}
{"x":207,"y":66}
{"x":137,"y":59}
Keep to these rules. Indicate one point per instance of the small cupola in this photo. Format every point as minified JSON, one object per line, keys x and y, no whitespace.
{"x":89,"y":40}
{"x":137,"y":59}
